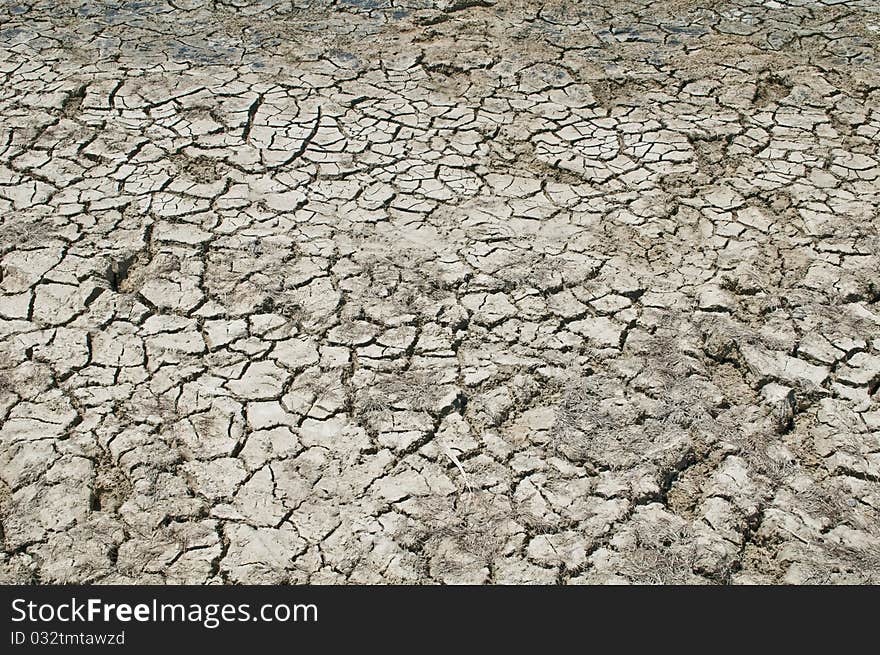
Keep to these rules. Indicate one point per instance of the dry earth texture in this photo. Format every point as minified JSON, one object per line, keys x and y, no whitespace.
{"x":394,"y":291}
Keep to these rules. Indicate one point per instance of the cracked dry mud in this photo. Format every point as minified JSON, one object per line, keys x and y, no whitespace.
{"x":380,"y":291}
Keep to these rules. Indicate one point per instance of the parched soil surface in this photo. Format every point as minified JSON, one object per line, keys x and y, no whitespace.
{"x":440,"y":291}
